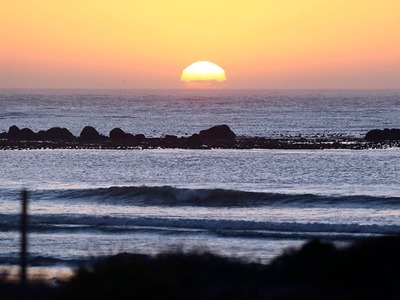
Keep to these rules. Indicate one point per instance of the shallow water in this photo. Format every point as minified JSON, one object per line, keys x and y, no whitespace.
{"x":243,"y":203}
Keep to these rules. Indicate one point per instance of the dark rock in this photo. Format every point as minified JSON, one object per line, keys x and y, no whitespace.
{"x":169,"y":137}
{"x":394,"y":134}
{"x":117,"y":134}
{"x":386,"y":134}
{"x":4,"y":135}
{"x":58,"y":134}
{"x":52,"y":134}
{"x":194,"y":141}
{"x":171,"y":141}
{"x":13,"y":132}
{"x":140,"y":137}
{"x":89,"y":133}
{"x":129,"y":136}
{"x":383,"y":135}
{"x":24,"y":134}
{"x":41,"y":135}
{"x":219,"y":132}
{"x":374,"y":135}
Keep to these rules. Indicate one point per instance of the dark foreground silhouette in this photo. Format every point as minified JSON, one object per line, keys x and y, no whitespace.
{"x":366,"y":270}
{"x":220,"y":136}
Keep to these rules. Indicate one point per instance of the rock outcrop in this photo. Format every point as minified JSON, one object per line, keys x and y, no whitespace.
{"x":219,"y":132}
{"x":13,"y":132}
{"x":55,"y":134}
{"x":118,"y":134}
{"x":194,"y":141}
{"x":25,"y":134}
{"x":90,"y":133}
{"x":383,"y":135}
{"x":217,"y":137}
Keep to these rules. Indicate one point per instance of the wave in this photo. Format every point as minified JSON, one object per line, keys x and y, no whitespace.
{"x":171,"y":196}
{"x":39,"y":260}
{"x":189,"y":226}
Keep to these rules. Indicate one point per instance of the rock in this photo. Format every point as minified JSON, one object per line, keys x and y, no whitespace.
{"x":140,"y":137}
{"x":383,"y":135}
{"x":4,"y":135}
{"x":169,"y":137}
{"x":25,"y":134}
{"x":394,"y":134}
{"x":219,"y":132}
{"x":58,"y":134}
{"x":41,"y":135}
{"x":89,"y":133}
{"x":13,"y":132}
{"x":118,"y":134}
{"x":129,"y":136}
{"x":374,"y":135}
{"x":194,"y":141}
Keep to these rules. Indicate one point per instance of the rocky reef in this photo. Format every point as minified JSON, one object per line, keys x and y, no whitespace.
{"x":378,"y":135}
{"x":220,"y":136}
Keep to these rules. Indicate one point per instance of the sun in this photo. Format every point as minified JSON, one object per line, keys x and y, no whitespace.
{"x":203,"y":73}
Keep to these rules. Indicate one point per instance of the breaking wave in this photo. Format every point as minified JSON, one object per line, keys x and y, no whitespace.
{"x":171,"y":196}
{"x":222,"y":227}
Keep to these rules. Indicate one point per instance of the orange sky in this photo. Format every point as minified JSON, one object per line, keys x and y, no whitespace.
{"x":147,"y":44}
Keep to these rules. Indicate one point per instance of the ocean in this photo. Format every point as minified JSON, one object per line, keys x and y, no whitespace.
{"x":250,"y":204}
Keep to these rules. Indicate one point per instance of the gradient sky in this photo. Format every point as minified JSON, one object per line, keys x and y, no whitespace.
{"x":146,"y":44}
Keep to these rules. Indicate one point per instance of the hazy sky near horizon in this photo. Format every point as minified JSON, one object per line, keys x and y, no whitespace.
{"x":146,"y":44}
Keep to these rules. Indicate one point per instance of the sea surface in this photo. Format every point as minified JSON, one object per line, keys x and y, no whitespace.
{"x":251,"y":204}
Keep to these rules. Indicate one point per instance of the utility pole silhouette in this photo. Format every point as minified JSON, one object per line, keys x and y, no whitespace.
{"x":24,"y":237}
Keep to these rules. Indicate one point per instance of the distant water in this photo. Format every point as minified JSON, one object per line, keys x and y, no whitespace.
{"x":181,"y":112}
{"x":244,"y":203}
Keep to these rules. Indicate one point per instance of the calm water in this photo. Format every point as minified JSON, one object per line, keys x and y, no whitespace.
{"x":244,"y":203}
{"x":181,"y":112}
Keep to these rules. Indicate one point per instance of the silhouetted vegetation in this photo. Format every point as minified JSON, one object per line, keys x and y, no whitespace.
{"x":366,"y":270}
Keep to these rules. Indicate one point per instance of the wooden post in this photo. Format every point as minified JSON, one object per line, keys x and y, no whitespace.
{"x":24,"y":236}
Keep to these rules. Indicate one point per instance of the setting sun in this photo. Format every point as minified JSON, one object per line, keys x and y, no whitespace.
{"x":288,"y":44}
{"x":203,"y":72}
